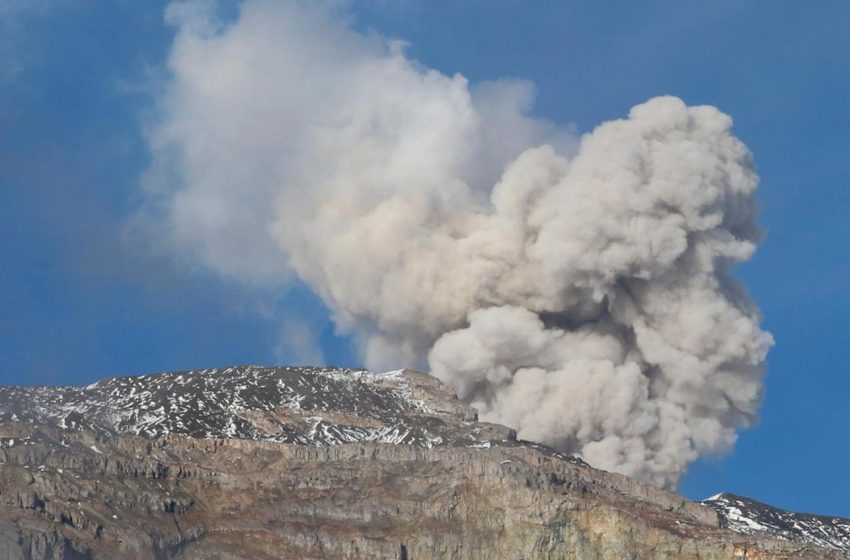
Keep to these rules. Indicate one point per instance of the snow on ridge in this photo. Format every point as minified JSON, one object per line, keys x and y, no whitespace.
{"x":750,"y":517}
{"x":304,"y":405}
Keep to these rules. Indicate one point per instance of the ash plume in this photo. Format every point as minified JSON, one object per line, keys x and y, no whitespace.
{"x":576,"y":289}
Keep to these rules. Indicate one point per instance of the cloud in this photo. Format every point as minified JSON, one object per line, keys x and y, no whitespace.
{"x":575,"y":289}
{"x":299,"y":344}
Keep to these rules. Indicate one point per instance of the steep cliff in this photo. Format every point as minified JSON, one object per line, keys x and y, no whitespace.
{"x":253,"y":462}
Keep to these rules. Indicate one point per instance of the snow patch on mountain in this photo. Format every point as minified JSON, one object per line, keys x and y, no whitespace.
{"x":748,"y":516}
{"x":303,"y":405}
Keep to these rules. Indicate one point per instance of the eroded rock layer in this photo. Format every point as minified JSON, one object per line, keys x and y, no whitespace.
{"x":260,"y":463}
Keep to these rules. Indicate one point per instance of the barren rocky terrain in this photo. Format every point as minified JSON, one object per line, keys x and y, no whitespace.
{"x":261,"y":463}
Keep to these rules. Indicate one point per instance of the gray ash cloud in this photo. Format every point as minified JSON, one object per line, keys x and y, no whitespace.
{"x":575,"y":289}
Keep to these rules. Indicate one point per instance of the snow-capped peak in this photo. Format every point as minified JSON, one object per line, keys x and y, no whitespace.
{"x":304,"y":405}
{"x":748,"y":516}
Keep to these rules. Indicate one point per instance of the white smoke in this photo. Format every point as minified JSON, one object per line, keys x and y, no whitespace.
{"x":577,"y":290}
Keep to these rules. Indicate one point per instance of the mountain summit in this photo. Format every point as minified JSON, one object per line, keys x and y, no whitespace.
{"x":299,"y":462}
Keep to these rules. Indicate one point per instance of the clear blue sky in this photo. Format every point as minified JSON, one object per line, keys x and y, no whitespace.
{"x":79,"y":300}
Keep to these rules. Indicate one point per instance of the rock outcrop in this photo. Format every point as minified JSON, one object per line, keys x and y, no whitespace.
{"x":260,"y":463}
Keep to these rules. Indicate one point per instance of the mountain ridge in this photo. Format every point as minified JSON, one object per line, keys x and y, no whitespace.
{"x":752,"y":517}
{"x":299,"y":462}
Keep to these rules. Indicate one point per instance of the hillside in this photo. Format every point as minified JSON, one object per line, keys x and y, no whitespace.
{"x":252,"y":462}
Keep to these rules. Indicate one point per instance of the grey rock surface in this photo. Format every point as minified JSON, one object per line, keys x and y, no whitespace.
{"x":259,"y":463}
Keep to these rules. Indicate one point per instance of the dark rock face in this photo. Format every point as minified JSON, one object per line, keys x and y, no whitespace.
{"x":259,"y":463}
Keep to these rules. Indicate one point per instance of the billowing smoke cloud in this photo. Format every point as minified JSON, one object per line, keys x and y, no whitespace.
{"x":575,"y":289}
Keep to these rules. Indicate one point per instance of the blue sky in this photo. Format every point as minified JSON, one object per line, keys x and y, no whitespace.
{"x":81,"y":299}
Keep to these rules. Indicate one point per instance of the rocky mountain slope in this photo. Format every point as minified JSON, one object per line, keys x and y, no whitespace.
{"x":747,"y":516}
{"x":252,"y":462}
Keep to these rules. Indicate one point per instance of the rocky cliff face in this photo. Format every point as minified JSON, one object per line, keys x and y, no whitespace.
{"x":258,"y":463}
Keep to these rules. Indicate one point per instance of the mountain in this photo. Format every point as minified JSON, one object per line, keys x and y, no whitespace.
{"x":253,"y":462}
{"x":747,"y":516}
